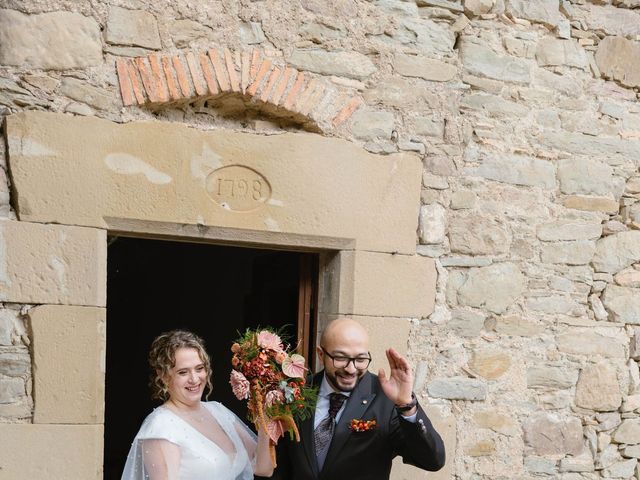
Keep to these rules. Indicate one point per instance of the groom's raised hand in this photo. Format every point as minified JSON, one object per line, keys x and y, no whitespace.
{"x":399,"y":385}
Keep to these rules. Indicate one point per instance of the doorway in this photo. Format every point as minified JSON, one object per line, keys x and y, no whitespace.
{"x":215,"y":291}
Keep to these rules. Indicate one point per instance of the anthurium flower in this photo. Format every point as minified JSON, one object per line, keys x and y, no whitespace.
{"x":293,"y":366}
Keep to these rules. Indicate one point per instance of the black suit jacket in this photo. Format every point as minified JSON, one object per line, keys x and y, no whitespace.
{"x":362,"y":455}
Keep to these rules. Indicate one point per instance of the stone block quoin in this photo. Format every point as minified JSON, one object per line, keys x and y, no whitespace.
{"x":158,"y":81}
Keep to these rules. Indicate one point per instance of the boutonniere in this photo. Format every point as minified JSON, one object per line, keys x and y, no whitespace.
{"x":359,"y":425}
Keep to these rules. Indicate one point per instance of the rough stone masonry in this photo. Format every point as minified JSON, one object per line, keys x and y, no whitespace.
{"x":527,"y":118}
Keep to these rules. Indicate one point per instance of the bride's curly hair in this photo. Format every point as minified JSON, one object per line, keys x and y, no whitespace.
{"x":162,"y":358}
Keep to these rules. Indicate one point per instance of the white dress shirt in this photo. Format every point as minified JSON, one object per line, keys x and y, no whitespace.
{"x":322,"y":405}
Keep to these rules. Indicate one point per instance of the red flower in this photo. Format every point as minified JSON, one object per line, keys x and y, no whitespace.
{"x":359,"y":425}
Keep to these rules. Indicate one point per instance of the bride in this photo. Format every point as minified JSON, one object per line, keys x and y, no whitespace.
{"x":185,"y":438}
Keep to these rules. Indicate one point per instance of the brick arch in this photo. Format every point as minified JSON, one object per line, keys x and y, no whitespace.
{"x":159,"y":81}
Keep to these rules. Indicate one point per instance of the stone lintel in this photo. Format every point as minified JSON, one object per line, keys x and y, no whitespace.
{"x":294,"y":183}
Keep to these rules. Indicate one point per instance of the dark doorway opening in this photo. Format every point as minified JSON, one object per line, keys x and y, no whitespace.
{"x":215,"y":291}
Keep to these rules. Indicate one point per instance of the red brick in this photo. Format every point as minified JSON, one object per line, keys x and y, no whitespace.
{"x":158,"y":76}
{"x":347,"y":111}
{"x":171,"y":83}
{"x":231,"y":69}
{"x":273,"y":78}
{"x":282,"y":85}
{"x":138,"y":89}
{"x":209,"y":75}
{"x":256,"y":60}
{"x":221,"y":71}
{"x":245,"y":66}
{"x":195,"y":74}
{"x":147,"y":79}
{"x":126,"y":90}
{"x":181,"y":74}
{"x":313,"y":100}
{"x":262,"y":72}
{"x":291,"y":96}
{"x":305,"y":94}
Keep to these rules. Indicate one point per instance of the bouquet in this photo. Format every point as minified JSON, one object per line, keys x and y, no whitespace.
{"x":272,"y":379}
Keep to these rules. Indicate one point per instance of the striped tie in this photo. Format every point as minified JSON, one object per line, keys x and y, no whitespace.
{"x":324,"y":431}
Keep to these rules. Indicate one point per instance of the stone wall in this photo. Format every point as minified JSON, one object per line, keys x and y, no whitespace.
{"x":527,"y":117}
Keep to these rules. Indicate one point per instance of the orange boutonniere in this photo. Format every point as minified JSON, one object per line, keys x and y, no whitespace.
{"x":359,"y":425}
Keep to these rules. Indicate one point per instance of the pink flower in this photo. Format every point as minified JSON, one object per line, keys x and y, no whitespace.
{"x":240,"y":385}
{"x":293,"y":366}
{"x":275,"y":429}
{"x":274,"y":397}
{"x":270,"y":341}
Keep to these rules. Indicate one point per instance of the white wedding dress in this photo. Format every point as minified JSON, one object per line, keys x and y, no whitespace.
{"x":167,"y":447}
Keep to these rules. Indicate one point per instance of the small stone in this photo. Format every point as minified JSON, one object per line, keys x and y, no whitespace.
{"x":497,"y":422}
{"x":184,"y":32}
{"x":555,"y":52}
{"x":516,"y":170}
{"x":580,"y":463}
{"x":632,"y":451}
{"x":628,"y":432}
{"x":631,"y":403}
{"x":516,"y":326}
{"x":478,"y":236}
{"x":588,"y":177}
{"x":613,"y":226}
{"x":617,"y":59}
{"x":482,"y":448}
{"x":44,"y":82}
{"x":551,"y":377}
{"x":570,"y":253}
{"x":634,"y":347}
{"x":549,"y":434}
{"x":608,"y":457}
{"x":484,"y":62}
{"x":344,"y":64}
{"x":622,"y":303}
{"x":13,"y":390}
{"x":494,"y":287}
{"x":598,"y":308}
{"x":598,"y":388}
{"x":475,"y":8}
{"x":463,"y":199}
{"x":568,"y":230}
{"x":552,"y":304}
{"x":629,"y":277}
{"x":80,"y":91}
{"x":586,"y":342}
{"x":423,"y":67}
{"x":612,"y":21}
{"x":79,"y":109}
{"x":132,"y":27}
{"x":624,"y":469}
{"x":434,"y":181}
{"x":432,"y":224}
{"x":591,"y":204}
{"x":465,"y":323}
{"x":540,"y":465}
{"x":428,"y":126}
{"x":369,"y":124}
{"x":490,"y":364}
{"x":251,"y":33}
{"x":457,"y":388}
{"x":546,"y":12}
{"x":608,"y":421}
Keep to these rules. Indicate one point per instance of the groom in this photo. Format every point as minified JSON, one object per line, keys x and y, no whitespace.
{"x":329,"y":449}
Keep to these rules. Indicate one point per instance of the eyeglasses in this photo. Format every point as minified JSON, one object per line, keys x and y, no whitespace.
{"x":339,"y":361}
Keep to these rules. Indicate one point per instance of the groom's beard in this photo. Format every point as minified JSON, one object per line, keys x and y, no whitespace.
{"x":343,"y":381}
